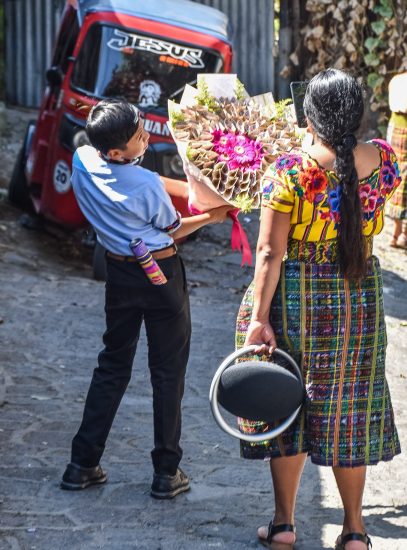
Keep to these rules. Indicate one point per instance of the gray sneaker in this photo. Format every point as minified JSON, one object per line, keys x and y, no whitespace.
{"x":167,"y":486}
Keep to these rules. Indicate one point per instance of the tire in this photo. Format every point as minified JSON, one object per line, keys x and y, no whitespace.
{"x":99,"y":263}
{"x":18,"y":192}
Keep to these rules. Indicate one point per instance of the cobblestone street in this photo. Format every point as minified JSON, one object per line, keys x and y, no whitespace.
{"x":51,"y":321}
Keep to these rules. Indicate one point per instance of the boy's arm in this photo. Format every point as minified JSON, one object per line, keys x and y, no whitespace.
{"x":163,"y":212}
{"x":176,"y":188}
{"x":191,"y":224}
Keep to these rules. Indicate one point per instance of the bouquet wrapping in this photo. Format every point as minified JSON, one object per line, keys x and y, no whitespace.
{"x":227,"y":140}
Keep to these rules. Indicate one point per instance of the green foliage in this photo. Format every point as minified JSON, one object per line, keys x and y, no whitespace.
{"x":243,"y":202}
{"x":378,"y":27}
{"x":205,"y":98}
{"x":240,"y":90}
{"x":365,"y":37}
{"x":372,"y":43}
{"x":371,"y":60}
{"x":191,"y":154}
{"x":384,"y":10}
{"x":375,"y":80}
{"x":176,"y":116}
{"x":280,"y":108}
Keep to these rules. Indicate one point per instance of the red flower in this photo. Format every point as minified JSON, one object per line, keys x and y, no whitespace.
{"x":314,"y":182}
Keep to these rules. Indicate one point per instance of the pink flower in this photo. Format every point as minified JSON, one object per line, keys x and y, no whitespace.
{"x":364,"y":191}
{"x":222,"y":141}
{"x":238,"y":150}
{"x":374,"y":195}
{"x":369,"y":200}
{"x":368,"y":197}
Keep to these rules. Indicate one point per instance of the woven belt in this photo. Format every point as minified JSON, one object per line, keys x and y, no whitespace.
{"x":156,"y":254}
{"x":319,"y":252}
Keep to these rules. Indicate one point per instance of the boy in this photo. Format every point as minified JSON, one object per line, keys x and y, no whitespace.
{"x":123,"y":201}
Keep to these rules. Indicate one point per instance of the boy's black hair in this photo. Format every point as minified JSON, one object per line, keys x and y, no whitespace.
{"x":111,"y":124}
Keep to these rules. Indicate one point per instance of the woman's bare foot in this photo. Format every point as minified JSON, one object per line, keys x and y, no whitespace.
{"x":279,"y":541}
{"x":342,"y":544}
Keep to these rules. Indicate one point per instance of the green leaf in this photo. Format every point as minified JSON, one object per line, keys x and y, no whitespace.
{"x":371,"y":43}
{"x":378,"y":27}
{"x":384,"y":11}
{"x":383,"y":130}
{"x":371,"y":60}
{"x":374,"y":80}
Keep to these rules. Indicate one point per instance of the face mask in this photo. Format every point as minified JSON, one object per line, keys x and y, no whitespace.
{"x":135,"y":162}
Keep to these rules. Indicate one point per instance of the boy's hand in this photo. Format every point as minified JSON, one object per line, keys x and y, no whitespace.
{"x":219,"y":215}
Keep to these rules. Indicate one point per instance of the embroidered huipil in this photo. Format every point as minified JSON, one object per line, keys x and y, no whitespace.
{"x":296,"y":184}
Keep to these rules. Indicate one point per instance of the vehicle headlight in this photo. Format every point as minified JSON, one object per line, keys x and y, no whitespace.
{"x":172,"y":166}
{"x":80,"y":138}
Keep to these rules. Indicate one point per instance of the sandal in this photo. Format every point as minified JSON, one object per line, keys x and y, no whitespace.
{"x":273,"y":530}
{"x":344,"y":539}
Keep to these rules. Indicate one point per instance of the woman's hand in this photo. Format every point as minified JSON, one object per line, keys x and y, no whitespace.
{"x":261,"y":334}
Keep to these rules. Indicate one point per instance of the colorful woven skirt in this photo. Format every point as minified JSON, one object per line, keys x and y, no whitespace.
{"x":335,"y":330}
{"x":397,"y":137}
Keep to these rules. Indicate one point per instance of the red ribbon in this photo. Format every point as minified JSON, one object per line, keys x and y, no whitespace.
{"x":238,"y":238}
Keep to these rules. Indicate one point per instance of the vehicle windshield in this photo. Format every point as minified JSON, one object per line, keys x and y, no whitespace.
{"x":145,"y":70}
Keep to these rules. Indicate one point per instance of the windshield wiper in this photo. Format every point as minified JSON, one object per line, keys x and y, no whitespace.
{"x":181,"y":89}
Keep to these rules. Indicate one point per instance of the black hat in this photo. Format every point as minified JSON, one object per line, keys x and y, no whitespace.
{"x":271,"y":391}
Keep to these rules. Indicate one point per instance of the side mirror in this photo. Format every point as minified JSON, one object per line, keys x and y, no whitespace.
{"x":54,"y":76}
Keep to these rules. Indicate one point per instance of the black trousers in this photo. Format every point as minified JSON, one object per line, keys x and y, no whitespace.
{"x":130,"y":299}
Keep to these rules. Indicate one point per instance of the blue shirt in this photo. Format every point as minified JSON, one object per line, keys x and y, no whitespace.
{"x":122,"y":202}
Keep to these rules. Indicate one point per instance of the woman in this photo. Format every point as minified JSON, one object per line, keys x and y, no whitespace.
{"x":397,"y":137}
{"x":323,"y":304}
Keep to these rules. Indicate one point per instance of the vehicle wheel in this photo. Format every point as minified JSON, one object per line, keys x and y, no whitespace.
{"x":18,"y":193}
{"x":99,"y":262}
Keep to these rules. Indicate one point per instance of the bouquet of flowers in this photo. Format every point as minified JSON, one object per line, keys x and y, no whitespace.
{"x":228,"y":139}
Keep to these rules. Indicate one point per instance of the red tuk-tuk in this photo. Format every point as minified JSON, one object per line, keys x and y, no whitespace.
{"x":143,"y":50}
